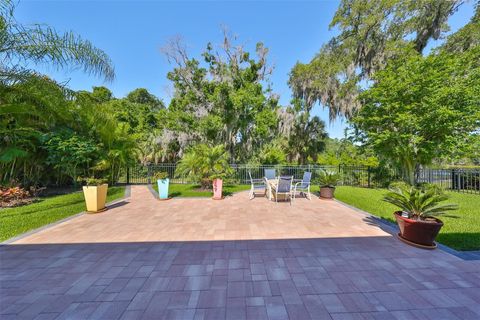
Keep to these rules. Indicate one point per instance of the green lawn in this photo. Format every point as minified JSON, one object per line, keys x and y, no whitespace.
{"x":461,"y":228}
{"x":192,"y":190}
{"x":15,"y":221}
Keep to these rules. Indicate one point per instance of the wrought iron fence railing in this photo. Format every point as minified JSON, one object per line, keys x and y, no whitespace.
{"x":351,"y":175}
{"x":460,"y":180}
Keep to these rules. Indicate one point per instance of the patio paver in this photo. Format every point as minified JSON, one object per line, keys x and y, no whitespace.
{"x":143,"y":218}
{"x":154,"y":269}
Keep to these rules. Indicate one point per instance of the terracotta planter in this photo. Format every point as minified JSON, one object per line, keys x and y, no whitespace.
{"x":327,"y":192}
{"x":95,"y":197}
{"x":217,"y":189}
{"x":418,"y":232}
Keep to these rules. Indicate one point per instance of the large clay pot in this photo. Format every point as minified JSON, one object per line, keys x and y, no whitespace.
{"x":327,"y":192}
{"x":163,"y":188}
{"x":418,"y":232}
{"x":217,"y":189}
{"x":95,"y":197}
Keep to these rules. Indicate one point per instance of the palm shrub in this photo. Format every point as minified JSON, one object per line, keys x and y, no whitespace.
{"x":419,"y":202}
{"x":328,"y":179}
{"x":161,"y":175}
{"x":203,"y":163}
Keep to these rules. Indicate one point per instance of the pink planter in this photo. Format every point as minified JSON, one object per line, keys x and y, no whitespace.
{"x":217,"y":189}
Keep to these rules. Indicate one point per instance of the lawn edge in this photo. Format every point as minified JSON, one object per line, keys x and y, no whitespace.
{"x":392,"y":229}
{"x":126,"y":195}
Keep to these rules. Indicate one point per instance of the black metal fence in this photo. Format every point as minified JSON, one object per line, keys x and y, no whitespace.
{"x":351,"y":175}
{"x":460,"y":180}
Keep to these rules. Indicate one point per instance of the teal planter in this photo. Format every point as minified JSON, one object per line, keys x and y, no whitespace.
{"x":163,"y":188}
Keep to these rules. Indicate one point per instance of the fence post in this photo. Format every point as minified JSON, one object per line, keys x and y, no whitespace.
{"x":368,"y":173}
{"x":454,"y":186}
{"x":128,"y":174}
{"x":149,"y":174}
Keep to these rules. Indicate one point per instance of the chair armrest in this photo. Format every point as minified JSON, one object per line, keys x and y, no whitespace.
{"x":301,"y":182}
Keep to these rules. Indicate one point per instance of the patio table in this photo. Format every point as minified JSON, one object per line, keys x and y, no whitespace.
{"x":272,"y":183}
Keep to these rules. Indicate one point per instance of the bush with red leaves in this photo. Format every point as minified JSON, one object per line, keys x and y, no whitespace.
{"x":14,"y":196}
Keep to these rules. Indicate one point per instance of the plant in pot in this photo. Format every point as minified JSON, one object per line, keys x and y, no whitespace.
{"x":162,"y":183}
{"x":217,"y":183}
{"x":207,"y":165}
{"x":328,"y":180}
{"x":95,"y":193}
{"x":419,"y":206}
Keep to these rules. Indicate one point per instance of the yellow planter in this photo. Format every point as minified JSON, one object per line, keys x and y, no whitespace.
{"x":95,"y":197}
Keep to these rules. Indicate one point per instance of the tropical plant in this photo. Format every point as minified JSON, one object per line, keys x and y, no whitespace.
{"x":160,"y":175}
{"x":14,"y":196}
{"x":69,"y":153}
{"x":328,"y":179}
{"x":92,"y":181}
{"x":419,"y":202}
{"x":204,"y":163}
{"x":41,"y":44}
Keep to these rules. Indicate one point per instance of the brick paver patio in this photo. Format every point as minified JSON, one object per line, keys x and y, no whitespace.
{"x":203,"y":259}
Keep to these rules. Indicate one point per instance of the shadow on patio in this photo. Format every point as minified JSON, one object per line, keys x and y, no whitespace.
{"x":327,"y":278}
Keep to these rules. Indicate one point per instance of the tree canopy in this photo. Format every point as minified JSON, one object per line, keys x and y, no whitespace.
{"x":370,"y":33}
{"x":420,"y":108}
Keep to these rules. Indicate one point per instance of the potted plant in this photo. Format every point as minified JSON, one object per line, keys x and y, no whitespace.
{"x":220,"y":170}
{"x":208,"y":165}
{"x":417,"y":222}
{"x":217,"y":186}
{"x":328,"y":180}
{"x":162,"y":182}
{"x":95,"y":193}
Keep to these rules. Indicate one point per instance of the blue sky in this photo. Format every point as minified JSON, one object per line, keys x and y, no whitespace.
{"x":132,"y":33}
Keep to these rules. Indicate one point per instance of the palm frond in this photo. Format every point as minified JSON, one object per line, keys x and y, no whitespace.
{"x":39,"y":43}
{"x":421,"y":202}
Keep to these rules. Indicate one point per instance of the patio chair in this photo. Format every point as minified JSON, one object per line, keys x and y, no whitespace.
{"x":256,"y":184}
{"x":283,"y":187}
{"x":303,"y":186}
{"x":270,"y":174}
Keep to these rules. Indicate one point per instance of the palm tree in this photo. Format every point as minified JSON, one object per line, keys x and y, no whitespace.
{"x":40,"y":44}
{"x":204,"y":163}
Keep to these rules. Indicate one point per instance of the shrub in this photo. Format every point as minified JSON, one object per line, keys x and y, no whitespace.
{"x":328,"y":178}
{"x":161,"y":175}
{"x":419,"y":202}
{"x":14,"y":196}
{"x":203,"y":163}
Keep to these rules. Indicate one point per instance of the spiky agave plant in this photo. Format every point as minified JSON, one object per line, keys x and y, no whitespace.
{"x":328,"y":178}
{"x":419,"y":202}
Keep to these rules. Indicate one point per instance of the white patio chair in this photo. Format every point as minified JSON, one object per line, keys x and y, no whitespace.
{"x":256,"y":184}
{"x":283,"y":187}
{"x":303,"y":186}
{"x":270,"y":174}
